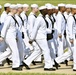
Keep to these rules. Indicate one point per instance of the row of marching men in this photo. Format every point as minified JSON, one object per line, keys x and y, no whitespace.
{"x":33,"y":36}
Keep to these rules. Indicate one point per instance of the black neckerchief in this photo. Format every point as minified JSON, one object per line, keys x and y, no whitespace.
{"x":51,"y":22}
{"x":45,"y":21}
{"x":35,"y":16}
{"x":15,"y":20}
{"x":53,"y":18}
{"x":74,"y":19}
{"x":21,"y":20}
{"x":64,"y":18}
{"x":26,"y":16}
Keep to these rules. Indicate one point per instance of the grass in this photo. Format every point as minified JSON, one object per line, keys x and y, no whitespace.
{"x":39,"y":2}
{"x":32,"y":74}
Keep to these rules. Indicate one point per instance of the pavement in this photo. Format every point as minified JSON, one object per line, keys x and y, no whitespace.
{"x":38,"y":68}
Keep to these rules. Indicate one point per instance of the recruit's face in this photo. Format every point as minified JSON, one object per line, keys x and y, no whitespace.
{"x":53,"y":10}
{"x":63,"y":9}
{"x":26,"y":9}
{"x":8,"y":9}
{"x":20,"y":9}
{"x":50,"y":11}
{"x":15,"y":11}
{"x":75,"y":11}
{"x":68,"y":10}
{"x":36,"y":10}
{"x":45,"y":11}
{"x":56,"y":10}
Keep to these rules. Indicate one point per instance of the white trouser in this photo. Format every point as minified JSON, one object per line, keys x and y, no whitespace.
{"x":20,"y":46}
{"x":36,"y":47}
{"x":55,"y":41}
{"x":52,"y":48}
{"x":0,"y":54}
{"x":36,"y":53}
{"x":74,"y":54}
{"x":2,"y":48}
{"x":38,"y":59}
{"x":69,"y":48}
{"x":1,"y":26}
{"x":12,"y":43}
{"x":2,"y":44}
{"x":63,"y":57}
{"x":65,"y":43}
{"x":67,"y":54}
{"x":42,"y":43}
{"x":26,"y":41}
{"x":27,"y":46}
{"x":60,"y":45}
{"x":5,"y":54}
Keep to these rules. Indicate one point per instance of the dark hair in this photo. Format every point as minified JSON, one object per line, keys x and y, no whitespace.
{"x":40,"y":11}
{"x":59,"y":8}
{"x":5,"y":8}
{"x":71,"y":9}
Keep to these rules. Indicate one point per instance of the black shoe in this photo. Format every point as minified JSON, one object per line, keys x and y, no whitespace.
{"x":49,"y":69}
{"x":56,"y":64}
{"x":8,"y":61}
{"x":21,"y":66}
{"x":27,"y":67}
{"x":1,"y":64}
{"x":38,"y":62}
{"x":18,"y":68}
{"x":33,"y":63}
{"x":74,"y":69}
{"x":71,"y":59}
{"x":66,"y":62}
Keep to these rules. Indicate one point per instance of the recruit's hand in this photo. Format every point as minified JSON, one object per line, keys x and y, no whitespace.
{"x":60,"y":36}
{"x":30,"y":41}
{"x":72,"y":41}
{"x":1,"y":39}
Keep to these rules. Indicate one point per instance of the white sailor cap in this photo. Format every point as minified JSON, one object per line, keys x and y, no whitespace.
{"x":0,"y":7}
{"x":53,"y":6}
{"x":13,"y":6}
{"x":68,"y":6}
{"x":56,"y":7}
{"x":19,"y":5}
{"x":48,"y":6}
{"x":25,"y":5}
{"x":34,"y":6}
{"x":42,"y":7}
{"x":61,"y":5}
{"x":73,"y":6}
{"x":7,"y":5}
